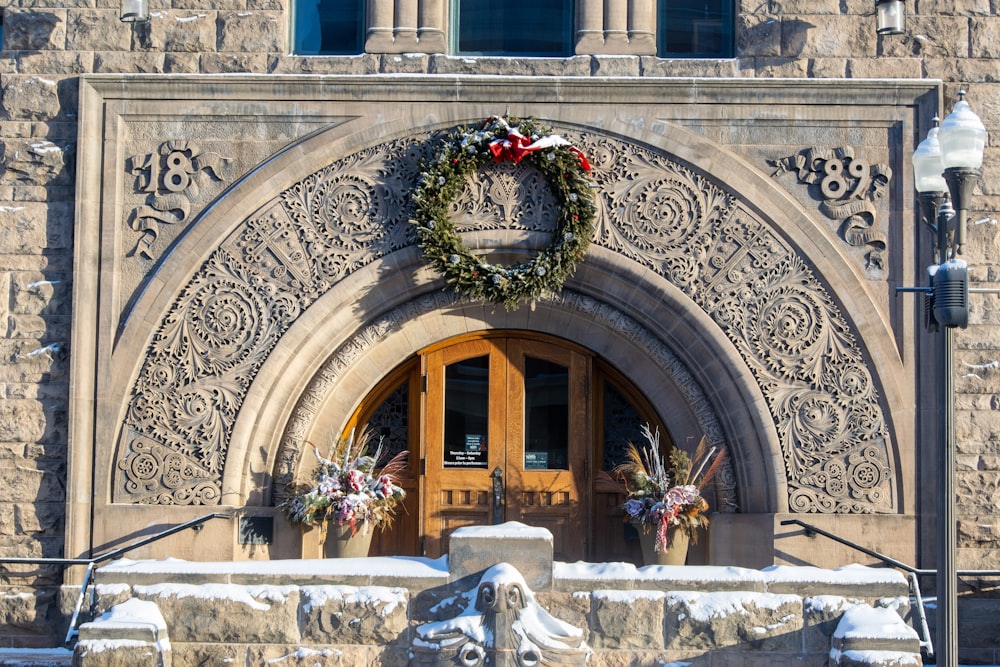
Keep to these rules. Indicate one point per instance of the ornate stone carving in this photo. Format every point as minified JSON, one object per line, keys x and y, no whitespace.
{"x":848,"y":187}
{"x":659,"y":214}
{"x":787,"y":328}
{"x":171,"y":179}
{"x":233,"y":311}
{"x":502,"y":626}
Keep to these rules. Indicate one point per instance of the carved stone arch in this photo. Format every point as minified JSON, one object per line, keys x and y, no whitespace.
{"x":355,"y":363}
{"x":743,"y":254}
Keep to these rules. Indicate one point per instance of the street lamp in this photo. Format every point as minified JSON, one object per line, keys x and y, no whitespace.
{"x":950,"y":158}
{"x":889,"y":17}
{"x":134,"y":11}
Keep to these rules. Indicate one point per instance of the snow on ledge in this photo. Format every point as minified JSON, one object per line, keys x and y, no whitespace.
{"x":864,"y":622}
{"x":415,"y":568}
{"x":397,"y":566}
{"x":511,"y":530}
{"x":848,"y":574}
{"x":628,"y":572}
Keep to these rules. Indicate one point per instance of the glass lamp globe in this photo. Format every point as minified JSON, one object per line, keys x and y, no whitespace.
{"x":134,"y":11}
{"x":889,"y":17}
{"x":928,"y":169}
{"x":962,"y":137}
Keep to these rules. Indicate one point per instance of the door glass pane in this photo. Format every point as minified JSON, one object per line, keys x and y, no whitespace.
{"x":515,"y":27}
{"x":328,"y":27}
{"x":466,"y":413}
{"x":546,"y":415}
{"x":622,"y":425}
{"x":390,"y":423}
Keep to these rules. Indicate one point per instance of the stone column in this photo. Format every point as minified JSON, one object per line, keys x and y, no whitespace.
{"x":611,"y":26}
{"x":406,"y":26}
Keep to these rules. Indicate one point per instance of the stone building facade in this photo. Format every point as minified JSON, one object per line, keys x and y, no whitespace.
{"x":209,"y":264}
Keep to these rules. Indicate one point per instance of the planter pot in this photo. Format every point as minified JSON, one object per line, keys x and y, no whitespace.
{"x":675,"y":553}
{"x":341,"y":544}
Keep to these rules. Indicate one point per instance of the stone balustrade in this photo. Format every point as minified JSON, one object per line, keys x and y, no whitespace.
{"x":397,"y":611}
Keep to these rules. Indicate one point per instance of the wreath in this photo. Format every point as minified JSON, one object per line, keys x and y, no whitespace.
{"x":445,"y":174}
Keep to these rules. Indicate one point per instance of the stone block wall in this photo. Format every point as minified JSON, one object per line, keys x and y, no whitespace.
{"x":626,"y":616}
{"x":47,"y":44}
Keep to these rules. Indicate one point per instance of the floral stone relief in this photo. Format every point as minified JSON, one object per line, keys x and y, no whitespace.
{"x":662,"y":215}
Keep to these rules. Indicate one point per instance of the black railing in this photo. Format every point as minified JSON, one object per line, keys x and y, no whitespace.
{"x":912,"y":572}
{"x":888,"y":560}
{"x":91,"y":563}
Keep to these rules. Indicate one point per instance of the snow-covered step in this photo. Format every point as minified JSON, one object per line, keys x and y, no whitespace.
{"x":874,"y":637}
{"x":38,"y":657}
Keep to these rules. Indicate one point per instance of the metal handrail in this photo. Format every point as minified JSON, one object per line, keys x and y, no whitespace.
{"x":912,"y":574}
{"x":888,"y":560}
{"x":91,"y":563}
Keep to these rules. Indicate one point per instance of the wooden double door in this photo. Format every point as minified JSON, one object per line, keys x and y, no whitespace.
{"x":507,"y":433}
{"x":508,"y":426}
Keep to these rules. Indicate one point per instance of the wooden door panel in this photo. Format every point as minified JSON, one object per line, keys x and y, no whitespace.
{"x":459,"y":492}
{"x":541,"y":487}
{"x":549,"y":497}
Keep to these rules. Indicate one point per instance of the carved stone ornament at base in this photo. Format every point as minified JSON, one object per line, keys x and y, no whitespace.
{"x":503,"y":626}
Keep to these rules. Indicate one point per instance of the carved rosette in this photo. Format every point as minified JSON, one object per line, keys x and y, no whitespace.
{"x":654,"y":211}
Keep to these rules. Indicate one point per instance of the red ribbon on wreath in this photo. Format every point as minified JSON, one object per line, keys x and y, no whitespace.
{"x":516,"y":146}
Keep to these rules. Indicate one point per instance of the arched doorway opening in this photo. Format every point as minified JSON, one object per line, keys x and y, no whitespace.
{"x":509,"y":425}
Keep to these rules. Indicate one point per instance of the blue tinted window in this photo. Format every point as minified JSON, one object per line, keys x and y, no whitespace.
{"x":514,"y":27}
{"x":328,"y":27}
{"x":696,"y":28}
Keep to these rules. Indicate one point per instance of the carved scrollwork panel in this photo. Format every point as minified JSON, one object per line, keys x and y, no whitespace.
{"x":848,"y":188}
{"x":663,"y":215}
{"x":786,"y":326}
{"x":171,"y":178}
{"x":228,"y":318}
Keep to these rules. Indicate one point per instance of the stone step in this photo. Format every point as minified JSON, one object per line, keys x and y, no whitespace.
{"x":874,"y":637}
{"x":38,"y":657}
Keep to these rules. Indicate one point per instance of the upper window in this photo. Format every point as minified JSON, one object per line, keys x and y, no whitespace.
{"x":695,"y":28}
{"x":514,"y":27}
{"x":328,"y":27}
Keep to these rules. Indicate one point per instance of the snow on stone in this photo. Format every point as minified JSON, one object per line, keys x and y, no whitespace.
{"x":707,"y":606}
{"x":101,"y":645}
{"x":828,"y":603}
{"x":864,"y":622}
{"x":511,"y":530}
{"x":898,"y":603}
{"x":854,"y":573}
{"x":23,"y":656}
{"x":133,"y":612}
{"x":248,"y":595}
{"x":629,"y":596}
{"x":858,"y":657}
{"x":582,"y":570}
{"x":397,"y":566}
{"x":112,"y":590}
{"x":45,"y":147}
{"x":304,"y":653}
{"x":389,"y":598}
{"x":627,"y":572}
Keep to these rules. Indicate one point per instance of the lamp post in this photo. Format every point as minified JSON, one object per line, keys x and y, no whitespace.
{"x":949,"y":158}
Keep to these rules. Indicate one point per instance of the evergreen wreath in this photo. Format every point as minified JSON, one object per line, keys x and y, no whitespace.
{"x":445,"y":174}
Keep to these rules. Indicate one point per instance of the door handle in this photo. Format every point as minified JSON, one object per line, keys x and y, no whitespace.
{"x":497,"y":476}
